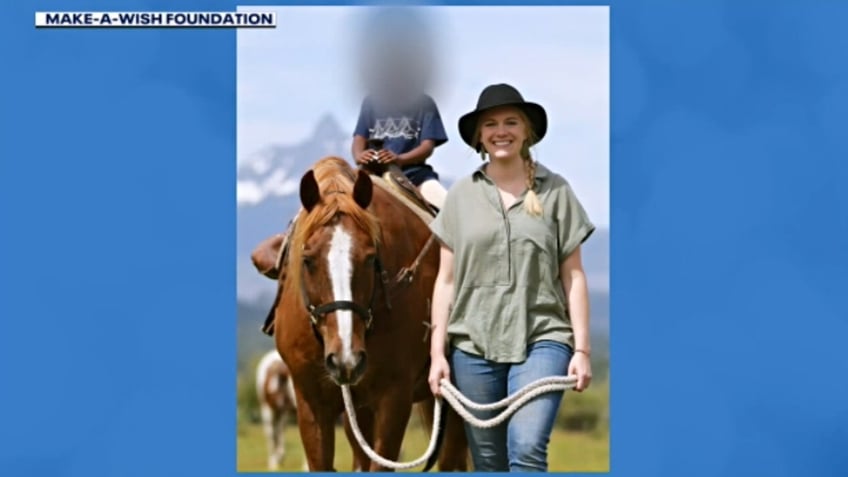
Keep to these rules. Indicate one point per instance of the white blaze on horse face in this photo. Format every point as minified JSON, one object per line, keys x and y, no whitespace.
{"x":341,"y":274}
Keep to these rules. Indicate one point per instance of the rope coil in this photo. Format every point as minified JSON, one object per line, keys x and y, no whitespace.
{"x":459,"y":402}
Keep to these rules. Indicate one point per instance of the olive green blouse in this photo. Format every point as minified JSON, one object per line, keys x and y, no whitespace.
{"x":507,"y":288}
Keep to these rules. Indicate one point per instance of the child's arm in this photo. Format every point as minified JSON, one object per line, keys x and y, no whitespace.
{"x":359,"y":146}
{"x":418,"y":155}
{"x":360,"y":151}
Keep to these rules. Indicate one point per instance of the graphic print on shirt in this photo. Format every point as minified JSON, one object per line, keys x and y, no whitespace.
{"x":393,"y":128}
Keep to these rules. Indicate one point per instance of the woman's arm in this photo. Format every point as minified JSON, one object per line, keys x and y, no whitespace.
{"x":440,"y":312}
{"x":442,"y":297}
{"x":575,"y":288}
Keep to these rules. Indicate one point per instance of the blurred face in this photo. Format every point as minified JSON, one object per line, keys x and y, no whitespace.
{"x":396,"y":54}
{"x":395,"y":75}
{"x":502,"y":132}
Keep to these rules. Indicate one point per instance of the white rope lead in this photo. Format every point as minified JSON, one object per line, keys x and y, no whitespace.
{"x":348,"y":402}
{"x":545,"y":385}
{"x":459,"y":402}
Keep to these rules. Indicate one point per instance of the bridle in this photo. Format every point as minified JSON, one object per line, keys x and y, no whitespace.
{"x":404,"y":276}
{"x":317,"y":313}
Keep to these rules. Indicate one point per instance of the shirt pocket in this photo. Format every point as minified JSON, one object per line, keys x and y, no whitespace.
{"x":487,"y":268}
{"x":485,"y":251}
{"x":534,"y":244}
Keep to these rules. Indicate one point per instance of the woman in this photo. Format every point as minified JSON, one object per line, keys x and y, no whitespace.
{"x":510,"y":303}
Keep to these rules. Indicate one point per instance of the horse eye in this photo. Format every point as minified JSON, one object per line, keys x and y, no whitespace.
{"x":369,"y":260}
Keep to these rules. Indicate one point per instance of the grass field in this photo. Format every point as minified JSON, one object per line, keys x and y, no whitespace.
{"x":568,"y":452}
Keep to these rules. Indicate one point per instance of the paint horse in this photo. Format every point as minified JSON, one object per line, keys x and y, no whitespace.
{"x":275,"y":392}
{"x":344,"y":317}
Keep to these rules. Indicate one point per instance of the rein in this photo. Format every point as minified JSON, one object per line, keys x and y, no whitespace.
{"x":459,"y":402}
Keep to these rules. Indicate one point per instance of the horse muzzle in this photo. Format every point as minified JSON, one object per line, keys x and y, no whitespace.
{"x":345,"y":371}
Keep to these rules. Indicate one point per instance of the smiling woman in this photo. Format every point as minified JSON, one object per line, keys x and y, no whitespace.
{"x":499,"y":329}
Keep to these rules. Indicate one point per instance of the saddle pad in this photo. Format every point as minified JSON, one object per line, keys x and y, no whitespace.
{"x":388,"y":185}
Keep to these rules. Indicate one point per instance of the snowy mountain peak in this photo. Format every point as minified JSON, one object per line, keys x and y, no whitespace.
{"x":327,"y":127}
{"x":275,"y":170}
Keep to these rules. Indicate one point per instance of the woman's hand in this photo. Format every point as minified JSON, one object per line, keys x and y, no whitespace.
{"x":580,"y":366}
{"x":439,"y":369}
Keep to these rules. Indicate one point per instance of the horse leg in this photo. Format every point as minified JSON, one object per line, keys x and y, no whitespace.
{"x":280,"y":433}
{"x":318,"y":434}
{"x":454,"y":454}
{"x":390,"y":421}
{"x":365,"y":420}
{"x":267,"y":415}
{"x":425,"y":413}
{"x":453,"y":450}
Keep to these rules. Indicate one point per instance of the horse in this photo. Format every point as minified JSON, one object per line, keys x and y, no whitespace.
{"x":341,"y":318}
{"x":275,"y":392}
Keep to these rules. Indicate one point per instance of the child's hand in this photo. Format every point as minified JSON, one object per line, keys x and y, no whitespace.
{"x":367,"y":156}
{"x":387,"y":157}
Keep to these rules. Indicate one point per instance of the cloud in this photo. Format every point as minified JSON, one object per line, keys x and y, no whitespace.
{"x":278,"y":184}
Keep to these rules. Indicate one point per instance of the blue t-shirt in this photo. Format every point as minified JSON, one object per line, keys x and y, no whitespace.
{"x":402,"y":128}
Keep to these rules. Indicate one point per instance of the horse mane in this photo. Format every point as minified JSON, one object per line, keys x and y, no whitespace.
{"x":335,"y":178}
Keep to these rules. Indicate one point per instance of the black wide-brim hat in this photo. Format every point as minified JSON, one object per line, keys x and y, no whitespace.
{"x":497,"y":95}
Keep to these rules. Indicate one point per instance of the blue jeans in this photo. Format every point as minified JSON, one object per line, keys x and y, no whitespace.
{"x":519,"y":444}
{"x":420,"y":173}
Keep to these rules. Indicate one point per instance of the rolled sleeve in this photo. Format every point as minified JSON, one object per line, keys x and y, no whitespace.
{"x":432,"y":127}
{"x":573,"y":223}
{"x":444,"y":225}
{"x":365,"y":120}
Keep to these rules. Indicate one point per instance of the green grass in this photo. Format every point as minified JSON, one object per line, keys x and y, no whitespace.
{"x":568,"y":451}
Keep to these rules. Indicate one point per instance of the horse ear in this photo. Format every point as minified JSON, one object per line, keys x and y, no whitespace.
{"x":309,"y":193}
{"x":363,"y":189}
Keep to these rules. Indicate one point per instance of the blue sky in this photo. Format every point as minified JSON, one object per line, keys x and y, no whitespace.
{"x":290,"y":76}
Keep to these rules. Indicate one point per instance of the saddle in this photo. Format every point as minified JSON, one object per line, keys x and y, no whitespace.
{"x":395,"y":177}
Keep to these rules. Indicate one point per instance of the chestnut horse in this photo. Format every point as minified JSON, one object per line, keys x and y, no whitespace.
{"x":342,"y":319}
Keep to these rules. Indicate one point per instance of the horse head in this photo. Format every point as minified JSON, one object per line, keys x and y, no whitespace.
{"x":335,"y":253}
